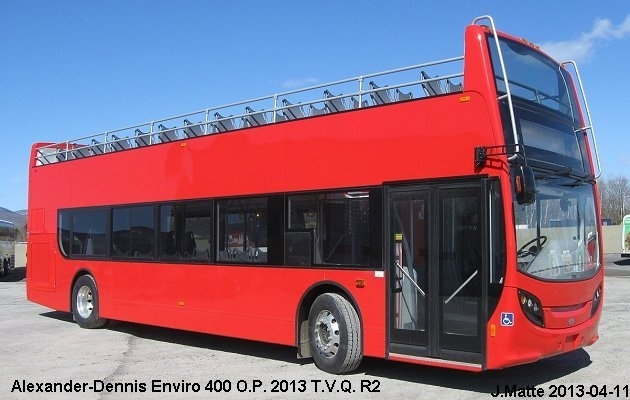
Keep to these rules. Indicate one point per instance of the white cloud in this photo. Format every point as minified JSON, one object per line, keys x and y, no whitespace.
{"x":583,"y":47}
{"x":299,"y":83}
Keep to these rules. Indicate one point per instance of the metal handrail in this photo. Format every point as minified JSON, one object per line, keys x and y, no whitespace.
{"x":459,"y":289}
{"x":589,"y":125}
{"x":405,"y":273}
{"x":67,"y":150}
{"x":508,"y":93}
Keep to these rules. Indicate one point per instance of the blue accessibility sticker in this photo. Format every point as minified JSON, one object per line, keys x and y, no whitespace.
{"x":507,"y":319}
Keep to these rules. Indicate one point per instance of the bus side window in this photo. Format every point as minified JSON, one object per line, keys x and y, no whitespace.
{"x":302,"y":245}
{"x":170,"y":231}
{"x":198,"y":237}
{"x":63,"y":232}
{"x":243,"y":230}
{"x":338,"y":223}
{"x":133,"y":232}
{"x":89,"y":230}
{"x":189,"y":244}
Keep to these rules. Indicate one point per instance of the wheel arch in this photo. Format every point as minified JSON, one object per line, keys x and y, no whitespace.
{"x":304,"y":306}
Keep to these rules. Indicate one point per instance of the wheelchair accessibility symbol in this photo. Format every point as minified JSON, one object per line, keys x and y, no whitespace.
{"x":507,"y":319}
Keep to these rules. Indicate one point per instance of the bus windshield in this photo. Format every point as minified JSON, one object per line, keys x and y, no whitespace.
{"x":557,"y":234}
{"x":533,"y":77}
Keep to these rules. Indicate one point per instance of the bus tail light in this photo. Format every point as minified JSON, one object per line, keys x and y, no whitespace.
{"x":597,"y":299}
{"x":531,"y":307}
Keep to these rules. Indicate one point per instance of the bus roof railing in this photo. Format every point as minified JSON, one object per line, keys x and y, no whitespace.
{"x":508,"y":94}
{"x":327,"y":98}
{"x":588,"y":127}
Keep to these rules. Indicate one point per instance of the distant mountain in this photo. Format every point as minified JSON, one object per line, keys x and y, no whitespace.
{"x":18,"y":218}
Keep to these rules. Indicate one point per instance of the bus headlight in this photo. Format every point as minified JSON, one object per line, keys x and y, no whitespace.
{"x":597,"y":299}
{"x":531,"y":307}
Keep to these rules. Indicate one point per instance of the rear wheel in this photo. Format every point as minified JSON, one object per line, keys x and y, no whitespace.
{"x":334,"y":334}
{"x":85,"y":303}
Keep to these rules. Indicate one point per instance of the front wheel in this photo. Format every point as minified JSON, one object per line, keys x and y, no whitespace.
{"x":85,"y":303}
{"x":334,"y":334}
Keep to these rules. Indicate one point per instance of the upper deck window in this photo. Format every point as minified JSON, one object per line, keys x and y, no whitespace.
{"x":533,"y":77}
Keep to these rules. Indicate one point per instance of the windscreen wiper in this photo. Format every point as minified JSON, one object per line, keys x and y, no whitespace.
{"x":567,"y":172}
{"x":579,"y":180}
{"x":559,"y":171}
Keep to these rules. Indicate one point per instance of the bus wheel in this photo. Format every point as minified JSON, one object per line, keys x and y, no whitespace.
{"x":334,"y":334}
{"x":85,"y":303}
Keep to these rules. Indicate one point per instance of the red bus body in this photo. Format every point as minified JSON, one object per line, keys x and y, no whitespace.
{"x":426,"y":141}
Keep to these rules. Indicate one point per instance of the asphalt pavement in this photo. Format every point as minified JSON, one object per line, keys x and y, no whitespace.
{"x":42,"y":350}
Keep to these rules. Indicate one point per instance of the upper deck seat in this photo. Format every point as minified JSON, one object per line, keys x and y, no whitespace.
{"x":254,"y":118}
{"x":380,"y":96}
{"x":44,"y":158}
{"x":120,"y":144}
{"x":453,"y":88}
{"x":61,"y":155}
{"x":223,"y":124}
{"x":400,"y":96}
{"x":333,"y":102}
{"x":97,"y":147}
{"x":317,"y":111}
{"x":431,"y":88}
{"x":81,"y":152}
{"x":354,"y":103}
{"x":292,"y":111}
{"x":192,"y":130}
{"x":142,"y":138}
{"x":167,"y":134}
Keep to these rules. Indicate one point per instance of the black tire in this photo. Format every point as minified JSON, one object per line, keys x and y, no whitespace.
{"x":85,"y":303}
{"x":334,"y":334}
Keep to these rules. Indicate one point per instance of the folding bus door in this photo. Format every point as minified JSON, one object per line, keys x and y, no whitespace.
{"x":436,"y":239}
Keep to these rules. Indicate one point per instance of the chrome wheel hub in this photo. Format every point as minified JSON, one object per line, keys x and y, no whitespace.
{"x":84,"y":302}
{"x":327,"y":333}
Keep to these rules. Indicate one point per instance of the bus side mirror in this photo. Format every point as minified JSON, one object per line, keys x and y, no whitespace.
{"x":524,"y":184}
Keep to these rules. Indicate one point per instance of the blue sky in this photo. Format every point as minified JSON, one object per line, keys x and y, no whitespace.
{"x":73,"y":68}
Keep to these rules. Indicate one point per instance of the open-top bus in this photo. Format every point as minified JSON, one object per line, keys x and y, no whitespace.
{"x":444,"y":214}
{"x":7,"y":246}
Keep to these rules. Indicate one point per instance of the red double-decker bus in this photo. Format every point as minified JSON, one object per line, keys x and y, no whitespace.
{"x":443,"y":214}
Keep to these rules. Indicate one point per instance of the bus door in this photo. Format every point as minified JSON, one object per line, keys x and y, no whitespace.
{"x":436,"y":263}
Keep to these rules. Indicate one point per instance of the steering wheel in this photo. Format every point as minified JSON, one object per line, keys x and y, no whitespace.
{"x":524,"y":251}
